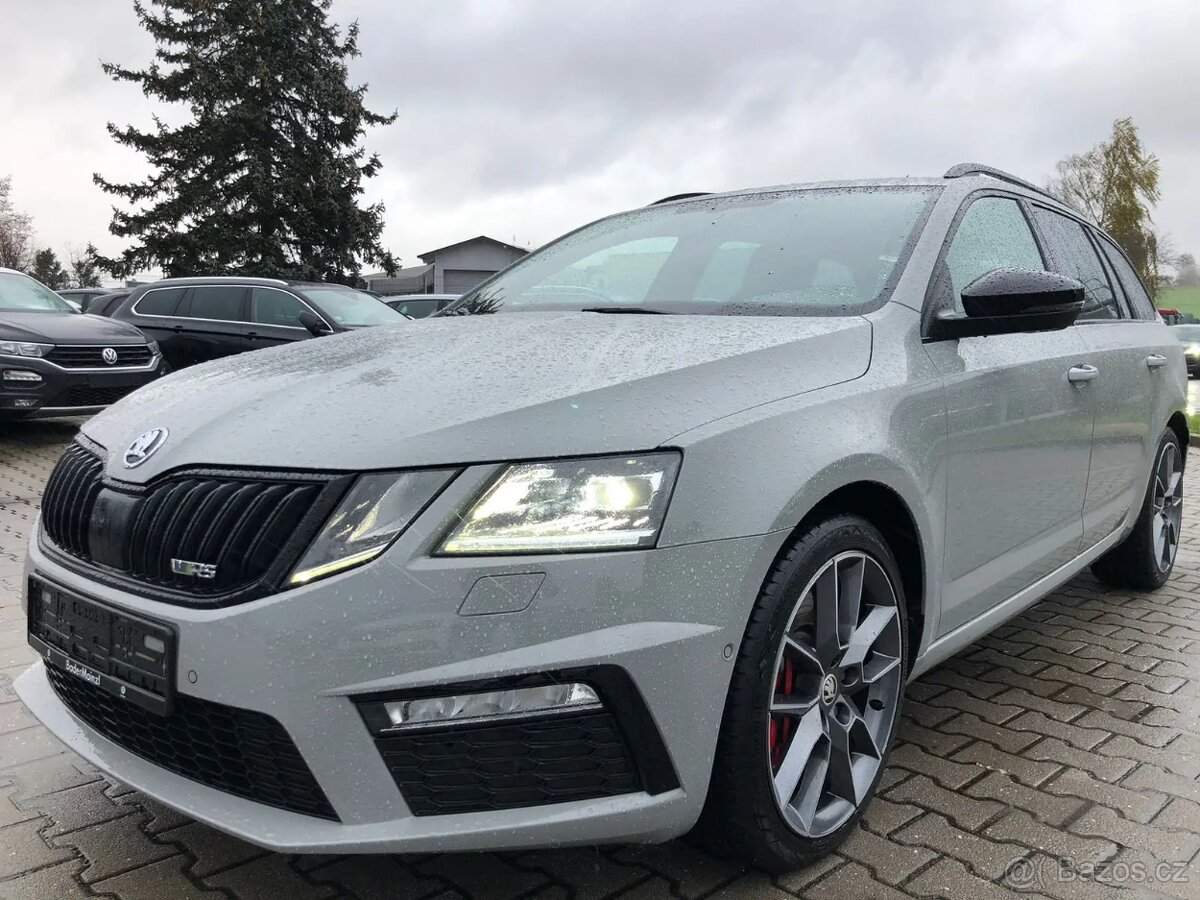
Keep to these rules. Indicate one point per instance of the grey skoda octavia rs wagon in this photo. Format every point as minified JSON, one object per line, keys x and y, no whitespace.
{"x":643,"y":536}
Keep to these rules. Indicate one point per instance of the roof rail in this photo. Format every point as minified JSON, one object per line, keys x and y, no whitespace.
{"x":963,"y":169}
{"x":686,"y":196}
{"x":225,"y":278}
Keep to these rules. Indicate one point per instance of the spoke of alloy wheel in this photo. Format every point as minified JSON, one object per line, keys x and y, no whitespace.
{"x":841,"y":767}
{"x":825,"y":615}
{"x":1173,"y":491}
{"x":863,"y":638}
{"x":812,"y":787}
{"x":1160,"y":536}
{"x":809,"y":731}
{"x":850,"y":591}
{"x":1166,"y":463}
{"x":878,"y":666}
{"x":802,"y":653}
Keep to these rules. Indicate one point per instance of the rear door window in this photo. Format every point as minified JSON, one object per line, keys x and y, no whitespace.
{"x":1072,"y":254}
{"x":223,"y":303}
{"x":1139,"y":298}
{"x":271,"y":307}
{"x":160,"y":302}
{"x":993,"y":234}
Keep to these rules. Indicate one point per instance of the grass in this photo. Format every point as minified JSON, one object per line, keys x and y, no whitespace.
{"x":1184,"y":299}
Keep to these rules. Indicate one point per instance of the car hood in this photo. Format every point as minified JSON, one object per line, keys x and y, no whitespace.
{"x":482,"y":388}
{"x":66,"y":328}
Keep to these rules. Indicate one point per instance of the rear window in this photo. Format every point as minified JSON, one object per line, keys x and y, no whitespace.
{"x":222,"y":303}
{"x":159,"y":302}
{"x":1074,"y":256}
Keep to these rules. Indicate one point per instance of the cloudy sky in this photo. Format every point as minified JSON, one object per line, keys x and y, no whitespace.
{"x":523,"y":119}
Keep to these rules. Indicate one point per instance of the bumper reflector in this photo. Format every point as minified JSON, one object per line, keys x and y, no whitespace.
{"x":490,"y":705}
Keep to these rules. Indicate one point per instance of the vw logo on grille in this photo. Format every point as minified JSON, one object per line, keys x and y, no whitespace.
{"x":109,"y":355}
{"x":145,"y":447}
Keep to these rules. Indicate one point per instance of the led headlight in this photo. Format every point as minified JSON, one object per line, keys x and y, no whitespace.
{"x":24,"y":348}
{"x":374,"y":512}
{"x":1193,"y":350}
{"x":153,"y":348}
{"x":601,"y":503}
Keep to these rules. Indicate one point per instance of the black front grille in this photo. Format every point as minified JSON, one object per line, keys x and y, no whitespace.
{"x":514,"y":764}
{"x":249,"y":529}
{"x":241,"y":752}
{"x":82,"y":395}
{"x":92,"y":357}
{"x":69,"y":497}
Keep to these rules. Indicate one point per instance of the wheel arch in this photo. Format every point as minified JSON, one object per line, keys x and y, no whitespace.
{"x":1178,"y":424}
{"x":883,"y":506}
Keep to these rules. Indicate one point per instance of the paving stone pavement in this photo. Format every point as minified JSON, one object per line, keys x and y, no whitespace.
{"x":1058,"y":757}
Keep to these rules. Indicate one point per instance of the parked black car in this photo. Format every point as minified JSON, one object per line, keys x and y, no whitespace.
{"x":418,"y":306}
{"x":81,"y":297}
{"x":56,"y":362}
{"x":198,"y":319}
{"x":105,"y":304}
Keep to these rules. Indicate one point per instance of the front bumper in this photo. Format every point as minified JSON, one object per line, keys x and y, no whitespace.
{"x":69,"y":391}
{"x":663,"y":617}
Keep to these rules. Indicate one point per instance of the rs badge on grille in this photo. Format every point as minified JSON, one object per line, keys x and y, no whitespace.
{"x":198,"y":570}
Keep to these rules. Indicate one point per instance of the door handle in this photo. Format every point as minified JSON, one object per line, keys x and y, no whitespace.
{"x":1156,"y":360}
{"x":1078,"y":374}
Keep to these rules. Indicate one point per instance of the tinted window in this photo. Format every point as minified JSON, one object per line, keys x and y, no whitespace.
{"x":418,"y":309}
{"x":1139,"y":300}
{"x":993,"y":234}
{"x":1073,"y":255}
{"x":799,"y":252}
{"x":161,"y":302}
{"x":271,"y":307}
{"x":221,"y":302}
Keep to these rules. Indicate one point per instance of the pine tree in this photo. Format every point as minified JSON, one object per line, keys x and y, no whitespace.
{"x":266,"y":177}
{"x":48,"y":270}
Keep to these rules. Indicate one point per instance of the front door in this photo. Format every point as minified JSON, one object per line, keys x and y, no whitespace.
{"x":1019,"y":431}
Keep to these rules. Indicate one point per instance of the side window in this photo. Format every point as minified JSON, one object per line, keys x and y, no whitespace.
{"x":1139,"y":299}
{"x":1072,"y":254}
{"x":272,"y":307}
{"x":220,"y":302}
{"x":162,"y":302}
{"x":993,"y":234}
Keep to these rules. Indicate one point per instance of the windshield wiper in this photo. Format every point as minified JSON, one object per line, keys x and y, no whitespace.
{"x":628,"y":310}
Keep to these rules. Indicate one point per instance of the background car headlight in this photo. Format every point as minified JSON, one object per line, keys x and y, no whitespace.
{"x":24,"y":348}
{"x":600,"y":503}
{"x":374,"y":512}
{"x":1193,"y":350}
{"x":153,"y":348}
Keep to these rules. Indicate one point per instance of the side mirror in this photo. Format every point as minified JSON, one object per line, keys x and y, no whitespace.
{"x":316,"y":327}
{"x":1008,"y":301}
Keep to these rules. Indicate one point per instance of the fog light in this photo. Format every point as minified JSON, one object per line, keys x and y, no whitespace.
{"x":22,"y":375}
{"x":515,"y":703}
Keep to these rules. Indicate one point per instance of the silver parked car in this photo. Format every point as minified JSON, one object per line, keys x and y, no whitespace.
{"x":648,"y":540}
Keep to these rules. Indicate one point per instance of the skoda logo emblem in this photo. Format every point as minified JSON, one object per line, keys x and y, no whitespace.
{"x":829,"y":689}
{"x":145,"y":447}
{"x":109,"y":356}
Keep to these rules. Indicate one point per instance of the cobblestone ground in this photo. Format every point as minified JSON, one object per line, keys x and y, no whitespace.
{"x":1060,"y":756}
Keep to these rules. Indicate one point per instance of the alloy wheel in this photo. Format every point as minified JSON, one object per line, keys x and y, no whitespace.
{"x":1168,"y":505}
{"x":835,"y":692}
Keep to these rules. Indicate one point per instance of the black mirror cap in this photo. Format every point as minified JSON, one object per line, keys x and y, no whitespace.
{"x":313,"y":323}
{"x":1012,"y":300}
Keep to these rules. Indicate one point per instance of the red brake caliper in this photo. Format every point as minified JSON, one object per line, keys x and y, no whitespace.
{"x":781,"y":726}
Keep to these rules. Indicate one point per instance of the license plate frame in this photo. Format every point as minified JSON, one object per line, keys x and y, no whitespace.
{"x":127,"y":655}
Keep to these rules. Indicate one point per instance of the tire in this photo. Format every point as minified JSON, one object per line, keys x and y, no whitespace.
{"x":1140,"y":561}
{"x":758,"y":753}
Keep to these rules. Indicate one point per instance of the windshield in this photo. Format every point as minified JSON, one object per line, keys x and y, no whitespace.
{"x":351,"y":308}
{"x":19,"y":293}
{"x":1186,"y":333}
{"x":826,"y":251}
